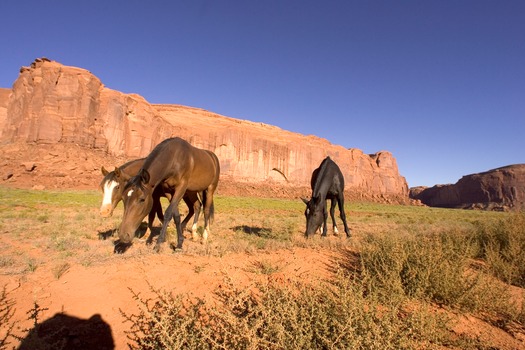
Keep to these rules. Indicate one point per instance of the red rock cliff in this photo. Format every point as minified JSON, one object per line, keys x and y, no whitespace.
{"x":52,"y":103}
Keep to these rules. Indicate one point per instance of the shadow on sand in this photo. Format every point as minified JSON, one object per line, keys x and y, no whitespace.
{"x":253,"y":230}
{"x":67,"y":332}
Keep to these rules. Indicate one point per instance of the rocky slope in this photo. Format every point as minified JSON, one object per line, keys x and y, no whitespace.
{"x":497,"y":189}
{"x":52,"y":104}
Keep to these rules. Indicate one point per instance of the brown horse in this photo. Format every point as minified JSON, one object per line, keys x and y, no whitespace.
{"x":112,"y":186}
{"x":178,"y":167}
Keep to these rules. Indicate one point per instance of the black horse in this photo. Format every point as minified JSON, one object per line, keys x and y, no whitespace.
{"x":327,"y":183}
{"x":112,"y":186}
{"x":178,"y":167}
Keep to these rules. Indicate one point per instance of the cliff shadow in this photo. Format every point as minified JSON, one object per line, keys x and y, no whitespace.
{"x":67,"y":332}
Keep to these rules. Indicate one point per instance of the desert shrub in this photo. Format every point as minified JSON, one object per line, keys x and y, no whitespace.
{"x":502,"y":246}
{"x":269,"y":315}
{"x":433,"y":268}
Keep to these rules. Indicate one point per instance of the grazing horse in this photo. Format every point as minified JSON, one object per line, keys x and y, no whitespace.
{"x":179,"y":167}
{"x":112,"y":186}
{"x":327,"y":183}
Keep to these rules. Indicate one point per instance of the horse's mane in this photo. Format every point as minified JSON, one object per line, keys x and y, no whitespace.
{"x":136,"y":181}
{"x":109,"y":177}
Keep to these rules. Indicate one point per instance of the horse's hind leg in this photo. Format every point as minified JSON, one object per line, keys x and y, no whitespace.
{"x":197,"y":209}
{"x":208,"y":212}
{"x":332,"y":214}
{"x":194,"y":205}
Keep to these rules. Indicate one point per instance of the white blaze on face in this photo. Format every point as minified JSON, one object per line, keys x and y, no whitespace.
{"x":130,"y":193}
{"x":108,"y":192}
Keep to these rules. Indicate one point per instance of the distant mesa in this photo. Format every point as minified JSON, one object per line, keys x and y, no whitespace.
{"x":498,"y":189}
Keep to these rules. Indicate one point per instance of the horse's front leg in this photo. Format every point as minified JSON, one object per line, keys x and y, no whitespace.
{"x":173,"y":212}
{"x":332,"y":214}
{"x":341,"y":203}
{"x":155,"y":209}
{"x":157,"y":205}
{"x":191,"y":211}
{"x":325,"y":219}
{"x":167,"y":217}
{"x":148,"y":236}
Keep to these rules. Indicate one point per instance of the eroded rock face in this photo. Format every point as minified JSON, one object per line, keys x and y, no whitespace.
{"x":498,"y":189}
{"x":4,"y":101}
{"x":52,"y":103}
{"x":256,"y":152}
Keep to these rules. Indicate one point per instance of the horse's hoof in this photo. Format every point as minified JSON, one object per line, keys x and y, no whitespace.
{"x":176,"y":248}
{"x":159,"y":248}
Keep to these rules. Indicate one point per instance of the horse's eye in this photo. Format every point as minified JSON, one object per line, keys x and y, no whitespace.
{"x":142,"y":200}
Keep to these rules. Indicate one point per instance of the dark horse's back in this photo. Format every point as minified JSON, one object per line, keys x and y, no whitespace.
{"x":327,"y":179}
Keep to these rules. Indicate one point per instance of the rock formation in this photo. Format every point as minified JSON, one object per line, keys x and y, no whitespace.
{"x":51,"y":103}
{"x":498,"y":189}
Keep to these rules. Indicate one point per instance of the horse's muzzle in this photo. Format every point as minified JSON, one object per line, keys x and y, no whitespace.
{"x":106,"y":211}
{"x":125,"y":237}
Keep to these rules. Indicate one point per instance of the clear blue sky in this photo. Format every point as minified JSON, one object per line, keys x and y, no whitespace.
{"x":440,"y":84}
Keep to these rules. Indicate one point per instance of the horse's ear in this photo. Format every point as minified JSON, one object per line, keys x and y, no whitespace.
{"x":104,"y":171}
{"x":306,"y":201}
{"x":144,"y":176}
{"x":117,"y":172}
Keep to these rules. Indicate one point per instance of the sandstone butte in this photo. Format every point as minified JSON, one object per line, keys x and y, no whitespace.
{"x":53,"y":104}
{"x":497,"y":189}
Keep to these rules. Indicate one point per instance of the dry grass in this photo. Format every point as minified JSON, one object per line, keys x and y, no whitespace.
{"x":410,"y":261}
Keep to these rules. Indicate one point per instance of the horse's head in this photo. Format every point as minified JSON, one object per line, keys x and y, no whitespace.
{"x":138,"y":201}
{"x":112,"y":187}
{"x":314,"y":214}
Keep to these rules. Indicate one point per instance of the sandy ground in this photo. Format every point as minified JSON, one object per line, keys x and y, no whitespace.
{"x":105,"y":289}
